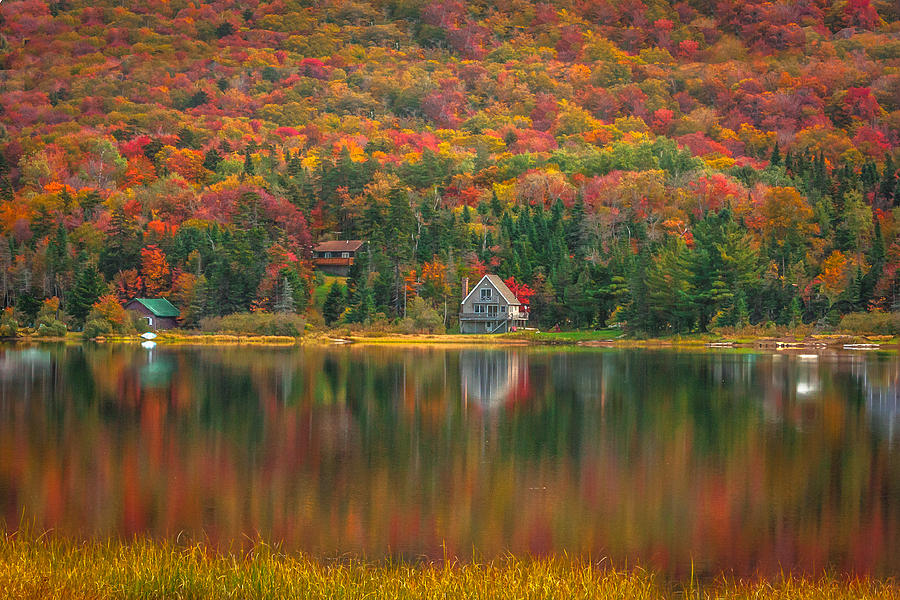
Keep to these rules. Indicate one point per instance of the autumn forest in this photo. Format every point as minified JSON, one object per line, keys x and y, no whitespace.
{"x":666,"y":166}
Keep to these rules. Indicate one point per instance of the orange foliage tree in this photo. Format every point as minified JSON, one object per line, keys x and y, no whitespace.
{"x":155,"y":271}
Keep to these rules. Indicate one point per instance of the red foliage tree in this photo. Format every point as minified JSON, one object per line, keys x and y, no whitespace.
{"x":519,"y":290}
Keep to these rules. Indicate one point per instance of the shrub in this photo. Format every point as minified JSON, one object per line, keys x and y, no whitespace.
{"x":881,"y":323}
{"x":48,"y":321}
{"x":315,"y":319}
{"x":9,"y":325}
{"x":97,"y":327}
{"x":421,"y":318}
{"x":107,"y":316}
{"x":138,"y":322}
{"x":258,"y":323}
{"x":52,"y":328}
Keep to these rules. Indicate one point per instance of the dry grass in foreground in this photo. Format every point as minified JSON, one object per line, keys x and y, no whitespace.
{"x":51,"y":567}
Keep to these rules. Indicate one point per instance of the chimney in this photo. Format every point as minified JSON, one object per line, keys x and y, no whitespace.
{"x":465,"y":287}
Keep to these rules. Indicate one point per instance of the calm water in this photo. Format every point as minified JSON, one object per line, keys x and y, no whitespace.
{"x":745,"y":462}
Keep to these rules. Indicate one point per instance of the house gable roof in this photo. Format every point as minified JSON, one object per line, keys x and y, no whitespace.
{"x":498,"y":285}
{"x":160,"y":307}
{"x":339,"y":246}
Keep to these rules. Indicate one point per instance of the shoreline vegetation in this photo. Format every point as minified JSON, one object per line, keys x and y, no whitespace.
{"x":611,"y":338}
{"x":51,"y":566}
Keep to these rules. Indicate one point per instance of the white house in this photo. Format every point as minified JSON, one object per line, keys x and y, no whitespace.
{"x":491,"y":307}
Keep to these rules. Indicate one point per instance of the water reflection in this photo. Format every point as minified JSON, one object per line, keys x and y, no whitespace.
{"x":748,"y":462}
{"x":493,"y":378}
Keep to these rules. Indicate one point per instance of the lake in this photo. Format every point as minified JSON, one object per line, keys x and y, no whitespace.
{"x":725,"y":460}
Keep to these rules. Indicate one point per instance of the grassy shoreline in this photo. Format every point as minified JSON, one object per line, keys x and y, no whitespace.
{"x":50,"y":566}
{"x":602,"y":338}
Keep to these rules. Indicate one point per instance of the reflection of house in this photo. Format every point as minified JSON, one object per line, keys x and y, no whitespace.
{"x":491,"y":307}
{"x":492,"y":378}
{"x":159,"y":312}
{"x":881,"y":387}
{"x":336,"y":257}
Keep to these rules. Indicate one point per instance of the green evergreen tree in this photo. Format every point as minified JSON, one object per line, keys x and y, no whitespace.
{"x":669,"y":289}
{"x":741,"y":316}
{"x":6,"y":188}
{"x":60,"y":262}
{"x":123,"y":243}
{"x":198,"y":306}
{"x":775,"y":159}
{"x":334,"y":303}
{"x":875,"y":258}
{"x":285,"y":302}
{"x":89,"y":286}
{"x":854,"y":291}
{"x":249,"y":169}
{"x":356,"y":287}
{"x":636,"y":312}
{"x":796,"y":317}
{"x":496,"y":207}
{"x":401,"y":225}
{"x":211,"y":160}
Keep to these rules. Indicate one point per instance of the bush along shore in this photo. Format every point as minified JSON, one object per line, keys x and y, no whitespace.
{"x":109,"y":321}
{"x":49,"y":567}
{"x":602,"y":338}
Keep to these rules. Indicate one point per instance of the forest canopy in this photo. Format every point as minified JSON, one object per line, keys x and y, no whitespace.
{"x":669,"y":166}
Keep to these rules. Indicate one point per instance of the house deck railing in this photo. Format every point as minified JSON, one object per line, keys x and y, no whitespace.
{"x":522,"y":316}
{"x":333,"y":261}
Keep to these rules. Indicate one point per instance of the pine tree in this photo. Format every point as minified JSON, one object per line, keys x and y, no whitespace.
{"x":875,"y":258}
{"x":285,"y":303}
{"x":888,"y":185}
{"x":775,"y":159}
{"x":59,"y":259}
{"x":636,"y":312}
{"x":89,"y":286}
{"x":211,"y":160}
{"x":248,"y":163}
{"x":401,"y":225}
{"x":6,"y":189}
{"x":795,"y":315}
{"x":123,"y":244}
{"x":334,"y":303}
{"x":669,"y":289}
{"x":198,"y":307}
{"x":496,"y":207}
{"x":575,"y":228}
{"x":854,"y":291}
{"x":741,"y":315}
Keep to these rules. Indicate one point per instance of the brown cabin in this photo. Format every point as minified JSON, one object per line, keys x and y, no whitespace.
{"x":158,"y":312}
{"x":336,"y":257}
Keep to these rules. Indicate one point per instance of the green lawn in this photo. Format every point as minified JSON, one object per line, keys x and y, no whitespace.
{"x":568,"y":337}
{"x":321,"y":291}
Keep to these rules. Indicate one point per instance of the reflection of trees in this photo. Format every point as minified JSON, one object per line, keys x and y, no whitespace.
{"x":731,"y":460}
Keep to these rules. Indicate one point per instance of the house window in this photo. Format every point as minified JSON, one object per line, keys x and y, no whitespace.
{"x":485,"y":293}
{"x":328,"y":255}
{"x":479,"y":309}
{"x":492,"y":310}
{"x":503,"y":308}
{"x":345,"y":255}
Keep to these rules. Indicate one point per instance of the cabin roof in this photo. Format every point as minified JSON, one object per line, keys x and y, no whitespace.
{"x":339,"y":246}
{"x":498,"y":284}
{"x":160,"y":307}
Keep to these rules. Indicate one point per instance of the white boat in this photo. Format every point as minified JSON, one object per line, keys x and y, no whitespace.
{"x":148,"y":335}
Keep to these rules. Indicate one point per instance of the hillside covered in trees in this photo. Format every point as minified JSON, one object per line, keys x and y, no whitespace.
{"x":672,"y":166}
